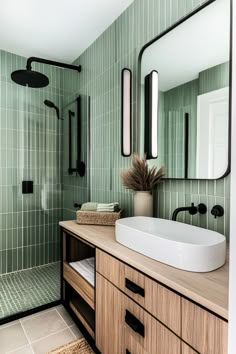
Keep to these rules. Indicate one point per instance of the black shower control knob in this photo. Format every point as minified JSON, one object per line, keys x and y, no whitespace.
{"x":76,"y":205}
{"x":217,"y":211}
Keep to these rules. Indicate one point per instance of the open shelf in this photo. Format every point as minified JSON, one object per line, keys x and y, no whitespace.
{"x":84,"y":312}
{"x":75,"y":249}
{"x":86,"y":269}
{"x":78,"y":293}
{"x":79,"y":284}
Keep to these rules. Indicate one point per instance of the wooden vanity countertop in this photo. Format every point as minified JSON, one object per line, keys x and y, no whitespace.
{"x":207,"y":289}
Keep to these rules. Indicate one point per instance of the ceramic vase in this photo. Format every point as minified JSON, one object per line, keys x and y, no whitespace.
{"x":143,"y":203}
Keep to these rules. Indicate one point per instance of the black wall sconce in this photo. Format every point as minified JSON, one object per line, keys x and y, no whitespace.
{"x":80,"y":165}
{"x":186,"y":124}
{"x":126,"y":111}
{"x":151,"y":115}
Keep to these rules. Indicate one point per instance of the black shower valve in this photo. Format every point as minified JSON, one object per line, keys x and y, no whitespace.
{"x":76,"y":205}
{"x":217,"y":211}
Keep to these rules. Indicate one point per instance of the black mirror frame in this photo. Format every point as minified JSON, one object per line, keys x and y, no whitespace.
{"x":176,"y":24}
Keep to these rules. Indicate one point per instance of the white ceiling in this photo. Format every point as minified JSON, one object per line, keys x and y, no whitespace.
{"x":55,"y":29}
{"x":199,"y":43}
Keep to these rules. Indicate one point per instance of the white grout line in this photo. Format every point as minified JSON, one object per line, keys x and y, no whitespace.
{"x":66,"y":323}
{"x":26,"y":336}
{"x":52,"y":334}
{"x":74,"y":325}
{"x":6,"y":325}
{"x":24,"y":346}
{"x":37,"y":314}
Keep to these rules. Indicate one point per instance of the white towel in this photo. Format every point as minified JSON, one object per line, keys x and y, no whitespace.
{"x":86,"y":268}
{"x":108,"y":207}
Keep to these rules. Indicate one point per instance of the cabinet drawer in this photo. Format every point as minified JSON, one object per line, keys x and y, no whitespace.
{"x":202,"y":330}
{"x":161,"y":302}
{"x":79,"y":284}
{"x":109,"y":267}
{"x":143,"y":334}
{"x":187,"y":350}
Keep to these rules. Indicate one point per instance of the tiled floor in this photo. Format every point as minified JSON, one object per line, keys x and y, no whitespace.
{"x":30,"y":288}
{"x":38,"y":333}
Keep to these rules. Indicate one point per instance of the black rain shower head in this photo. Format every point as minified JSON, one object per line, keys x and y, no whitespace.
{"x":36,"y":79}
{"x":50,"y":104}
{"x":30,"y":78}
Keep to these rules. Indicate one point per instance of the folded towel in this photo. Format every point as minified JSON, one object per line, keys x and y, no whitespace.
{"x":107,"y":204}
{"x":85,"y":268}
{"x":90,"y":206}
{"x":108,"y":207}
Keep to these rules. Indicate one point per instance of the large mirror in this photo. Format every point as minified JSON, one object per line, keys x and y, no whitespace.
{"x":193,"y":64}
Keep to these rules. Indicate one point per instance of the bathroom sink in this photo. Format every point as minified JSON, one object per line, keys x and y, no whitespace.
{"x":179,"y":245}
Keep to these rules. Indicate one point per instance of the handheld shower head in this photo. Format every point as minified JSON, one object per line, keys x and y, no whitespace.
{"x":50,"y":104}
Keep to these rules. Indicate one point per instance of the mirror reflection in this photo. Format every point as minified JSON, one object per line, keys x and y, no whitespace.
{"x":192,"y":61}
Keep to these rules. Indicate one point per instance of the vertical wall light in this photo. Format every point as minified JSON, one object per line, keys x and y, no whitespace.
{"x":126,"y":111}
{"x":151,"y":115}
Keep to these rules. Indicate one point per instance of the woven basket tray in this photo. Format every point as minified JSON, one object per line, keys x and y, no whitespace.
{"x":97,"y":217}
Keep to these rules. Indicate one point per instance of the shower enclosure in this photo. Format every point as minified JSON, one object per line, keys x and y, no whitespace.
{"x":30,"y":190}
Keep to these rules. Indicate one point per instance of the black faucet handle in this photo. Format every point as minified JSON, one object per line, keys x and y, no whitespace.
{"x":193,"y":209}
{"x":217,"y":211}
{"x":202,"y":208}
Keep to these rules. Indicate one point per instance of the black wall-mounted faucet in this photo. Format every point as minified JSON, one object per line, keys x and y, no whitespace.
{"x":201,"y":209}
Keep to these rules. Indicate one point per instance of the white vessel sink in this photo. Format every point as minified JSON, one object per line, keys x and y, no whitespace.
{"x":176,"y":244}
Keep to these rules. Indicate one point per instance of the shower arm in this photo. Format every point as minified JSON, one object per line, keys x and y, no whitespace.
{"x":51,"y":62}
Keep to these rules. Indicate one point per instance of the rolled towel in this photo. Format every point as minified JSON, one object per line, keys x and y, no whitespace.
{"x":90,"y":206}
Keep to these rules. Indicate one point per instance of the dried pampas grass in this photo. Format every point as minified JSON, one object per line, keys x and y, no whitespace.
{"x":140,"y":177}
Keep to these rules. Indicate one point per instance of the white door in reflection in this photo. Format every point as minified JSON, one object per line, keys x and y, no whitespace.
{"x":212,"y":133}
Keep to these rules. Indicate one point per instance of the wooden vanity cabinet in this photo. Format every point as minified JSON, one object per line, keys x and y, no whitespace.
{"x":108,"y":317}
{"x":127,"y":312}
{"x":172,"y":324}
{"x":124,"y":327}
{"x":78,"y":294}
{"x":203,"y":330}
{"x":186,"y":349}
{"x":162,"y":303}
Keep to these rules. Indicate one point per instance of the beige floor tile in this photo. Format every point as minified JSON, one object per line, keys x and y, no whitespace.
{"x":53,"y":341}
{"x":12,"y":337}
{"x":65,"y":315}
{"x":76,"y":331}
{"x":24,"y":350}
{"x":36,"y":314}
{"x":43,"y":325}
{"x":9,"y":324}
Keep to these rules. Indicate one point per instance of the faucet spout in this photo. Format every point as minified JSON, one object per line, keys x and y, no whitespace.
{"x":201,"y":208}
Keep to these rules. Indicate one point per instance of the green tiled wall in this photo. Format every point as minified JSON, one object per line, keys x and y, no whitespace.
{"x":30,"y":149}
{"x":102,"y":62}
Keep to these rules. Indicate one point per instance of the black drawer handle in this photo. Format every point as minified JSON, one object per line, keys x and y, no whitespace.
{"x":136,"y":289}
{"x":134,"y":323}
{"x":127,"y":351}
